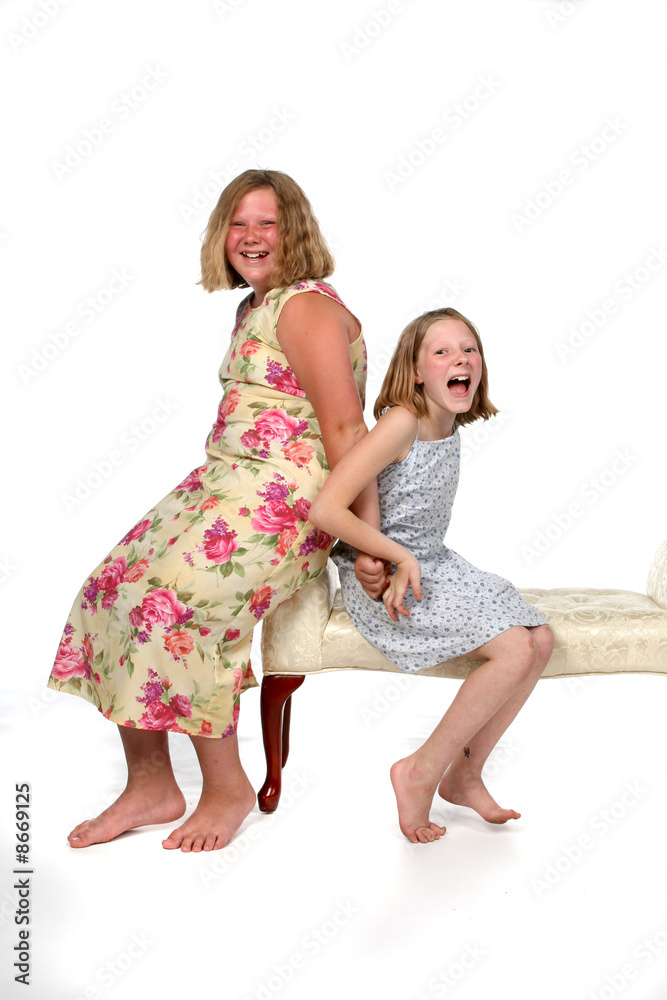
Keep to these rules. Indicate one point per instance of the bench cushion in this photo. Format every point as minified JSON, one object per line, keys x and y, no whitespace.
{"x":596,"y":631}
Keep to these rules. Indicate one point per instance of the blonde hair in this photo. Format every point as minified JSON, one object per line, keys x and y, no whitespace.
{"x":399,"y":387}
{"x":301,"y":252}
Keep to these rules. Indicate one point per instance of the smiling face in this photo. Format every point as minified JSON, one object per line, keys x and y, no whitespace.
{"x":252,"y":240}
{"x":449,"y":368}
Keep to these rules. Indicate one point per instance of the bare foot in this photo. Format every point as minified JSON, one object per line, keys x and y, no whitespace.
{"x":131,"y":808}
{"x":472,"y":792}
{"x":414,"y":798}
{"x":215,"y":820}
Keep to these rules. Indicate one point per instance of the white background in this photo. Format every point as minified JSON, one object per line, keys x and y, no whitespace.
{"x":339,"y":97}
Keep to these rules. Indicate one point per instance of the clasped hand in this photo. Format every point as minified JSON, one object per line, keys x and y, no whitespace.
{"x":376,"y":578}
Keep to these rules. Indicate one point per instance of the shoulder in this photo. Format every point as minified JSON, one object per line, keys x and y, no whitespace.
{"x":399,"y":417}
{"x":314,"y":302}
{"x":400,"y":426}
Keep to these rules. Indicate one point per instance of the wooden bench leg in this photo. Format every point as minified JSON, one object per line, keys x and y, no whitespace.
{"x":275,"y":710}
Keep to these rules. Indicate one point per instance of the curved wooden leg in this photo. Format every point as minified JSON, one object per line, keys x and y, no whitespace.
{"x":275,"y":710}
{"x":287,"y":716}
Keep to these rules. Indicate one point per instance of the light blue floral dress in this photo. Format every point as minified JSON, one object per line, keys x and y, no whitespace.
{"x":462,"y":607}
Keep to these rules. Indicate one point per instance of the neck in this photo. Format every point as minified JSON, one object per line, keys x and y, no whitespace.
{"x":434,"y":428}
{"x":260,"y":291}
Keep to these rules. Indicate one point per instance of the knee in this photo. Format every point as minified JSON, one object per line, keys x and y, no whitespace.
{"x":544,"y":639}
{"x":525,"y":651}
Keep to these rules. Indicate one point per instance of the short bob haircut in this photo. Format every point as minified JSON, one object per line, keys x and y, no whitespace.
{"x":301,"y":252}
{"x":399,"y":387}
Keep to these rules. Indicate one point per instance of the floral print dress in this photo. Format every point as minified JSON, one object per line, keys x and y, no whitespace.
{"x":159,"y":636}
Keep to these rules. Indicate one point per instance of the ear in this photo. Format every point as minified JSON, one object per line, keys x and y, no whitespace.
{"x":418,"y":379}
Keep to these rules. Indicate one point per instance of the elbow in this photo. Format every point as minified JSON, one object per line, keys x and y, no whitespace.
{"x":323,"y":517}
{"x":315,"y":514}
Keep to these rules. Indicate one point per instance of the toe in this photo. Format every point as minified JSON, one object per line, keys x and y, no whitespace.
{"x":173,"y":841}
{"x":81,"y":835}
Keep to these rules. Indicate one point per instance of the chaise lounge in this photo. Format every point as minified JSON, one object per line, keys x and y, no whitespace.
{"x":596,"y":632}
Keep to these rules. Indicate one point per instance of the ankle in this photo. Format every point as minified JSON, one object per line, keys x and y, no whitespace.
{"x":422,"y":770}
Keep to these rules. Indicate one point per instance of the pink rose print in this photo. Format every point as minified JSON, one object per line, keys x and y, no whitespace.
{"x":229,"y":403}
{"x":260,"y":601}
{"x":276,"y":425}
{"x":219,"y":426}
{"x":315,"y":540}
{"x":136,"y":617}
{"x":219,"y":542}
{"x":137,"y":531}
{"x":251,"y":439}
{"x":299,"y":452}
{"x":158,"y":716}
{"x":109,"y":599}
{"x":204,"y":631}
{"x":248,"y":348}
{"x":231,"y":634}
{"x":274,"y":517}
{"x":328,"y":291}
{"x":209,"y":503}
{"x":69,"y":663}
{"x":193,"y":481}
{"x":283,"y":379}
{"x":112,"y":574}
{"x":136,"y":571}
{"x":238,"y":681}
{"x":324,"y":540}
{"x":206,"y":728}
{"x":88,"y":650}
{"x":162,"y":607}
{"x":302,"y":507}
{"x":179,"y":643}
{"x":181,"y":705}
{"x":285,"y":542}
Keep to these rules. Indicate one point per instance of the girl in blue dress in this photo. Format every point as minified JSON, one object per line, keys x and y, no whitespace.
{"x":435,"y":605}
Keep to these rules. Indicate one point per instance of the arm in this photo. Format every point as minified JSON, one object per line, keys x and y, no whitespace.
{"x":388,"y":441}
{"x":315,"y":333}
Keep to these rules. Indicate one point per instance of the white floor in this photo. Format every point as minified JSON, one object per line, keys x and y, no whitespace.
{"x":326,"y":898}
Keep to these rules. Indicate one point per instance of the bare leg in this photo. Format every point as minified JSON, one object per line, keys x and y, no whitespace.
{"x":510,"y":670}
{"x":226,"y":799}
{"x":462,"y":782}
{"x":150,"y":796}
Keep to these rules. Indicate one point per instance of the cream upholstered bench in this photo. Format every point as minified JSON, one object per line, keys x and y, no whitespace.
{"x":596,"y":632}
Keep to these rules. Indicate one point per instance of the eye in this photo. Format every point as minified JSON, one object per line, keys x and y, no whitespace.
{"x":269,"y":222}
{"x":441,"y":350}
{"x":473,"y":349}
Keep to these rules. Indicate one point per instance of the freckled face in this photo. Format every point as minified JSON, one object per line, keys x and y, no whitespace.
{"x":252,"y":240}
{"x":449,"y":366}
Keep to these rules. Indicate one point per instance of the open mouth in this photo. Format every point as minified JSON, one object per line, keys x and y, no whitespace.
{"x":459,"y":385}
{"x":254,"y":256}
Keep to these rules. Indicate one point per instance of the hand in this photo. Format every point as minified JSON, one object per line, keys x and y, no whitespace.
{"x":372,"y":574}
{"x":407,"y":574}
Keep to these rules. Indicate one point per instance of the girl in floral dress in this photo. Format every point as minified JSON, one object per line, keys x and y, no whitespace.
{"x":159,"y":637}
